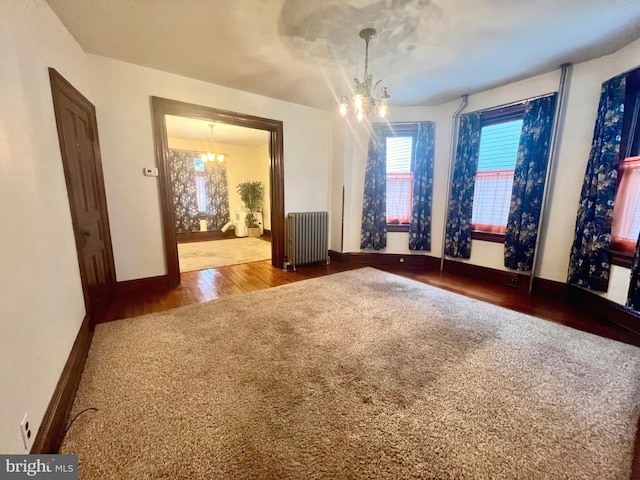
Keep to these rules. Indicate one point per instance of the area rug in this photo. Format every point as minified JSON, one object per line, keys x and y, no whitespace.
{"x":360,"y":374}
{"x":219,"y":253}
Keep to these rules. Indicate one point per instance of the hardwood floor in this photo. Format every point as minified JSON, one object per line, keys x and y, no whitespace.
{"x":208,"y":285}
{"x":205,"y":285}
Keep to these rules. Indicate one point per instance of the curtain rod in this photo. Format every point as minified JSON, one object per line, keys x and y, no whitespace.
{"x":393,"y":124}
{"x":637,"y":67}
{"x":187,"y":150}
{"x":511,"y":104}
{"x":489,"y":109}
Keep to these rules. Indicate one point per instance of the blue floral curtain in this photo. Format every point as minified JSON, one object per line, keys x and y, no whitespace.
{"x":217,"y":194}
{"x":528,"y":183}
{"x":458,"y":228}
{"x":183,"y":191}
{"x":633,"y":296}
{"x":374,"y":209}
{"x":589,"y":262}
{"x":420,"y":226}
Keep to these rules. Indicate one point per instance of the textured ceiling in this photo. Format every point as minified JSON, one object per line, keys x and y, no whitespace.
{"x":308,"y":51}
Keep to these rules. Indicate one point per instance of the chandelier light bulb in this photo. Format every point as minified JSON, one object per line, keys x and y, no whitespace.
{"x":382,"y":111}
{"x":343,"y":107}
{"x":359,"y":115}
{"x":357,"y":102}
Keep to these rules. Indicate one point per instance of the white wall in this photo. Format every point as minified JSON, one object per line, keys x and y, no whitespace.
{"x":248,"y":164}
{"x":122,"y":98}
{"x":574,"y":144}
{"x":336,"y":183}
{"x":41,"y":302}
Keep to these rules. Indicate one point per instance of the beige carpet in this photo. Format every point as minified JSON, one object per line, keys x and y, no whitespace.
{"x":218,"y":253}
{"x":360,"y":374}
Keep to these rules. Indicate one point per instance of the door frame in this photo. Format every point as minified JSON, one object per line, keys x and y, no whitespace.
{"x":164,"y":106}
{"x":61,"y":87}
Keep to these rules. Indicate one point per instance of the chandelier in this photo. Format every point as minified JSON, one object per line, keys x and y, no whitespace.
{"x":365,"y":99}
{"x":213,"y":154}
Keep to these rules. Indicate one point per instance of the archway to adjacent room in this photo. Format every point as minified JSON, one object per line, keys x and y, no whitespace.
{"x":161,"y":108}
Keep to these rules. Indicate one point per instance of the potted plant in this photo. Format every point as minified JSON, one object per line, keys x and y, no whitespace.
{"x":251,"y":195}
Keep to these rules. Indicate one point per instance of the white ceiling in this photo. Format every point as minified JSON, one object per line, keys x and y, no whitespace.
{"x":193,"y":129}
{"x":308,"y":51}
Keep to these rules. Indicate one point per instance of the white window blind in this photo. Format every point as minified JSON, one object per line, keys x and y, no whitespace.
{"x":399,"y":179}
{"x":494,"y":178}
{"x":626,"y":210}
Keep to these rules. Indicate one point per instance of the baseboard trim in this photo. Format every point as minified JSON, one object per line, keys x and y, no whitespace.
{"x":606,"y":309}
{"x":501,"y":277}
{"x":52,"y":429}
{"x":373,"y":259}
{"x":543,"y":287}
{"x":188,"y":237}
{"x":129,"y":287}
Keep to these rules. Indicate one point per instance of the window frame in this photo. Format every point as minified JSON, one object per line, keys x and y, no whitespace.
{"x":202,"y":215}
{"x":401,"y":130}
{"x":488,"y":118}
{"x":629,"y":146}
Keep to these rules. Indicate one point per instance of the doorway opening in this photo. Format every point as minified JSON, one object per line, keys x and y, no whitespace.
{"x":178,"y":131}
{"x":213,"y":165}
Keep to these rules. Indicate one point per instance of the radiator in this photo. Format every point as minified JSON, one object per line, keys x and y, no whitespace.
{"x":307,"y":238}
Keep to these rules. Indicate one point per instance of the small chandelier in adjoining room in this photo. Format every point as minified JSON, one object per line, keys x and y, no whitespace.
{"x":213,"y":154}
{"x":365,"y":99}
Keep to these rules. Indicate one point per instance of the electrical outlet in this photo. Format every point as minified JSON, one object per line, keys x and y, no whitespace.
{"x":25,"y":429}
{"x":401,"y":259}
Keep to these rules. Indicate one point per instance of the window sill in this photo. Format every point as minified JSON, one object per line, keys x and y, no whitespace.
{"x":622,"y":259}
{"x":397,"y":227}
{"x":487,"y":236}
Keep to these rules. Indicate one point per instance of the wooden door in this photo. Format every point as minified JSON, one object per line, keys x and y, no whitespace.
{"x":78,"y":136}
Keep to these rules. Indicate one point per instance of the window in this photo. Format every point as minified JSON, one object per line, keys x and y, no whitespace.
{"x":399,"y":179}
{"x":201,"y":187}
{"x":499,"y":139}
{"x":626,"y":212}
{"x":399,"y":144}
